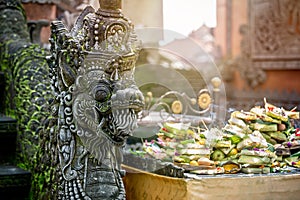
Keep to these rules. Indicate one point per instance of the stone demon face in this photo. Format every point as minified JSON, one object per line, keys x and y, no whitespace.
{"x":105,"y":110}
{"x":107,"y":106}
{"x":93,"y":67}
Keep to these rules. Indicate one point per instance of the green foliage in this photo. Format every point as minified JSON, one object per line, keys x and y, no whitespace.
{"x":28,"y":95}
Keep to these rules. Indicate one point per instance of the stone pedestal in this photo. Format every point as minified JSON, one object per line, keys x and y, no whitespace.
{"x":15,"y":183}
{"x":8,"y":134}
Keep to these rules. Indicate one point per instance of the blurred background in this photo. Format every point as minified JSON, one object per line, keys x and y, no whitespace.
{"x":253,"y":45}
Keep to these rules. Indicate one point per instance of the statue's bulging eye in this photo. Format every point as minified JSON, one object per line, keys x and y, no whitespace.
{"x":101,"y":93}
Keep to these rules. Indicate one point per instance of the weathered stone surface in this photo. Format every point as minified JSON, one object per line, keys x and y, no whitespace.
{"x":96,"y":102}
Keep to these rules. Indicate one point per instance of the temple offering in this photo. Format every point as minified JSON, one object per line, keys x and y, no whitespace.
{"x":261,"y":140}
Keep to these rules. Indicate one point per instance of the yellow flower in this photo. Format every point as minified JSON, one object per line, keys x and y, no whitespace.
{"x":176,"y":107}
{"x":204,"y":100}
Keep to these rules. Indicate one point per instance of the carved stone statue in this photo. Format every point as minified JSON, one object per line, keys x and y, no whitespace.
{"x":97,"y":100}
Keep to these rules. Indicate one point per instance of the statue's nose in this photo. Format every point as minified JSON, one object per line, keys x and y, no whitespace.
{"x":130,"y":97}
{"x":136,"y":98}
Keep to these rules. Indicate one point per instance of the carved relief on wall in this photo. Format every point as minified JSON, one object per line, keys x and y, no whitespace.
{"x":270,"y":41}
{"x":275,"y":33}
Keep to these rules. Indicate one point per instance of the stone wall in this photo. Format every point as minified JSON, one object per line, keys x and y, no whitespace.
{"x":260,"y":44}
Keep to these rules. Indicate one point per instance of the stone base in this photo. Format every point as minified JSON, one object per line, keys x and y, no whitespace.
{"x":8,"y":134}
{"x":148,"y":186}
{"x":15,"y":183}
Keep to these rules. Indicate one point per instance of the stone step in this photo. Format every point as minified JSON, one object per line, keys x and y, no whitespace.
{"x":8,"y":134}
{"x":15,"y":183}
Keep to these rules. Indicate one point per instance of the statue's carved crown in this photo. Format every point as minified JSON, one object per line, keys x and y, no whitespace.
{"x":112,"y":43}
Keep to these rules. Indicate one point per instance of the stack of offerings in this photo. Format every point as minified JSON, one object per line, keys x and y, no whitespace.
{"x":261,"y":140}
{"x":252,"y":138}
{"x":178,"y":143}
